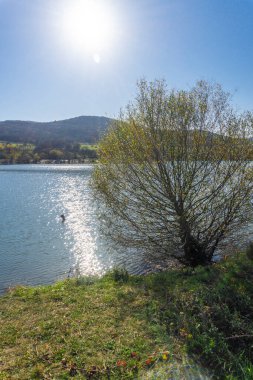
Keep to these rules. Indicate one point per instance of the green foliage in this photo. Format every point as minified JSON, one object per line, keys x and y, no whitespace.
{"x":56,"y":154}
{"x":85,"y":280}
{"x":120,"y":275}
{"x":11,"y":153}
{"x":211,"y":313}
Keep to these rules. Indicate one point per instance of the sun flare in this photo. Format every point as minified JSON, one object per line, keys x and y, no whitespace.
{"x":89,"y":26}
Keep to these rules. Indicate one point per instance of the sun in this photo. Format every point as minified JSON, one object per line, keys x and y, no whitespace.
{"x":89,"y":27}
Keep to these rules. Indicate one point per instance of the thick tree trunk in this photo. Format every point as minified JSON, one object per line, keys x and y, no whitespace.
{"x":194,"y":252}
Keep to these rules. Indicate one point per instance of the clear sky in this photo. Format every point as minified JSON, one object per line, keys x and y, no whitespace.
{"x":65,"y":58}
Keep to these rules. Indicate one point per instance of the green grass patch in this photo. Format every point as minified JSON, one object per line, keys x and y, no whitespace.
{"x":17,"y":145}
{"x":77,"y":328}
{"x":210,"y":313}
{"x":171,"y":325}
{"x":89,"y":146}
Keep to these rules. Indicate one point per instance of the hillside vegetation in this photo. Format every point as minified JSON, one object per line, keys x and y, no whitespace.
{"x":82,"y":129}
{"x":73,"y":140}
{"x":170,"y":325}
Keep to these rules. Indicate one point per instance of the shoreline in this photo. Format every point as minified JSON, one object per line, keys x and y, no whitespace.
{"x":88,"y":162}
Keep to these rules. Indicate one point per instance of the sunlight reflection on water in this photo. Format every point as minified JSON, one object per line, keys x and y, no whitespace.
{"x":80,"y":227}
{"x":35,"y":246}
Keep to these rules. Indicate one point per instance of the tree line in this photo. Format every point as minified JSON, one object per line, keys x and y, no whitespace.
{"x":11,"y":153}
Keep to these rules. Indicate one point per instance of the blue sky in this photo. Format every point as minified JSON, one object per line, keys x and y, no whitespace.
{"x":45,"y":76}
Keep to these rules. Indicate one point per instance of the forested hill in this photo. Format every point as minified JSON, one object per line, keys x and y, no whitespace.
{"x":82,"y":129}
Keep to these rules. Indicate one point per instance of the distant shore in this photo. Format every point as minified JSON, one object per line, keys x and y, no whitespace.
{"x":53,"y":162}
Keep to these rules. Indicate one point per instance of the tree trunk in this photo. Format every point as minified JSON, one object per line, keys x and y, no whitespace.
{"x":194,"y":252}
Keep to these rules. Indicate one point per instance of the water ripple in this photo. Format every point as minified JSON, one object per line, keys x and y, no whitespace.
{"x":35,"y":246}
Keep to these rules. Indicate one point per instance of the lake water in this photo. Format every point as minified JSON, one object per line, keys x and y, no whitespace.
{"x":35,"y":246}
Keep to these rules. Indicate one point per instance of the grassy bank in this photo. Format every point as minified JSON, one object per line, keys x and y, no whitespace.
{"x":161,"y":326}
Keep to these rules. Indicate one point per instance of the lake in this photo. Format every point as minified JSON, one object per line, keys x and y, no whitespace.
{"x":35,"y":246}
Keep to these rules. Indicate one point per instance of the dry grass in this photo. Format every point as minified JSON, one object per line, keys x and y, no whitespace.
{"x":74,"y":328}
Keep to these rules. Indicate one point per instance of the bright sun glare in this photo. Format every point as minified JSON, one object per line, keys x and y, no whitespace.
{"x":88,"y":26}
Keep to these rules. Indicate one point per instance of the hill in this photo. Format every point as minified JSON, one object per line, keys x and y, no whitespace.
{"x":82,"y":129}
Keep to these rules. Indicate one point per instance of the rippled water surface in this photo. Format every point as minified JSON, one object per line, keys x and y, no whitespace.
{"x":35,"y":246}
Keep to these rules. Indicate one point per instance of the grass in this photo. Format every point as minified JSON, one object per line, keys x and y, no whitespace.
{"x":18,"y":145}
{"x":76,"y":328}
{"x":171,"y":325}
{"x":89,"y":146}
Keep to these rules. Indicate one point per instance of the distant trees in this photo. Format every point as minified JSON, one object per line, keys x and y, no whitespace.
{"x":66,"y":151}
{"x":55,"y":154}
{"x":50,"y":150}
{"x":174,"y":175}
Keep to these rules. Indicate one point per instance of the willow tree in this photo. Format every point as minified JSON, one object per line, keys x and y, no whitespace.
{"x":174,"y":175}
